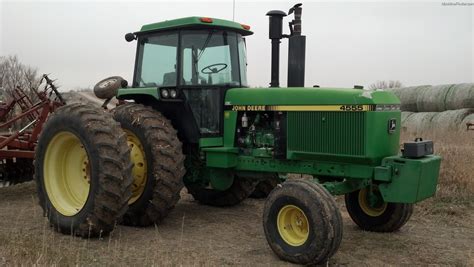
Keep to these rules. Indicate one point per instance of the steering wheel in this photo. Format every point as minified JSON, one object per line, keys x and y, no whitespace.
{"x":210,"y":70}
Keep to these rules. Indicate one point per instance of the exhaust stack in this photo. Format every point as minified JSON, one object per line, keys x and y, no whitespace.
{"x":296,"y":50}
{"x":296,"y":47}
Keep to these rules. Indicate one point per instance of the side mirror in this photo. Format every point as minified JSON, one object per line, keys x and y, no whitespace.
{"x":130,"y":37}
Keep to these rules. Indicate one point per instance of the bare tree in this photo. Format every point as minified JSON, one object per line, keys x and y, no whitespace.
{"x":385,"y":85}
{"x":14,"y":74}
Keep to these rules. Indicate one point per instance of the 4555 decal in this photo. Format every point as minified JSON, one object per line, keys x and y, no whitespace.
{"x":352,"y":108}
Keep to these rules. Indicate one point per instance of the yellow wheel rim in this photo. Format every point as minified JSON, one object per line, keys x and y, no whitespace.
{"x":66,"y":173}
{"x":139,"y":170}
{"x":367,"y":208}
{"x":293,"y":225}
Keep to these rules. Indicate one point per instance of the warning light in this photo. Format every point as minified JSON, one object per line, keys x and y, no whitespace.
{"x":206,"y":20}
{"x":246,"y":27}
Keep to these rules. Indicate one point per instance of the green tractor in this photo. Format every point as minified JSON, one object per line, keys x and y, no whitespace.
{"x":189,"y":119}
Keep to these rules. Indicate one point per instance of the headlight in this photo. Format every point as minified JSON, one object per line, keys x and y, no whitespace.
{"x":173,"y":93}
{"x":165,"y":93}
{"x":387,"y":107}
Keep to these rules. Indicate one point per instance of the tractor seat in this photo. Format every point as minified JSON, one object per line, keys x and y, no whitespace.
{"x":169,"y":79}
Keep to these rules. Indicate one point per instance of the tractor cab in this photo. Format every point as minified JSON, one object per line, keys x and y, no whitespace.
{"x":191,"y":62}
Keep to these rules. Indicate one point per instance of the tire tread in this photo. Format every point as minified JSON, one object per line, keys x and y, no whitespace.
{"x":168,"y":163}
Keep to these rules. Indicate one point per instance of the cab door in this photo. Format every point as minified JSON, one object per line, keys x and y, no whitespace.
{"x":210,"y":66}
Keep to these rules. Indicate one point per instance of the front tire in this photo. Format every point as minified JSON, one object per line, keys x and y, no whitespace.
{"x":302,"y":223}
{"x":158,"y":164}
{"x":82,"y":171}
{"x":374,"y":214}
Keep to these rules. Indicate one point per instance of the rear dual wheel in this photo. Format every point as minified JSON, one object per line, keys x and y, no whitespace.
{"x":302,"y":222}
{"x":158,"y":164}
{"x":84,"y":174}
{"x":83,"y":171}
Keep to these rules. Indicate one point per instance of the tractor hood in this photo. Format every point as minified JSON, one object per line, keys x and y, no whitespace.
{"x":308,"y":96}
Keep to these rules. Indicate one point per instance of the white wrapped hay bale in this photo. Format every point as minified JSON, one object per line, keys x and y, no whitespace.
{"x":460,"y":96}
{"x":405,"y":115}
{"x":433,"y":98}
{"x":408,"y":96}
{"x":451,"y":120}
{"x":417,"y":123}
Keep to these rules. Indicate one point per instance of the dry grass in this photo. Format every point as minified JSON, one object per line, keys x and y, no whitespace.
{"x":198,"y":235}
{"x":439,"y":233}
{"x":27,"y":239}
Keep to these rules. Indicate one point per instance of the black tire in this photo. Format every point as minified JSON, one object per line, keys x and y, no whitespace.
{"x":323,"y":220}
{"x":164,"y":161}
{"x":389,"y":219}
{"x":240,"y":189}
{"x":263,"y":188}
{"x":107,"y":88}
{"x":109,"y":168}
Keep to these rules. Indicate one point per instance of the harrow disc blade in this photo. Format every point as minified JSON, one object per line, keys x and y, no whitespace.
{"x":16,"y":171}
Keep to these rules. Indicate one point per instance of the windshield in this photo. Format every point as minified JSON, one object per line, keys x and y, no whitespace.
{"x":208,"y":57}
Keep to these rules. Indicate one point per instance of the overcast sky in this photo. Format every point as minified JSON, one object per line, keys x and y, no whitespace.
{"x":348,"y":43}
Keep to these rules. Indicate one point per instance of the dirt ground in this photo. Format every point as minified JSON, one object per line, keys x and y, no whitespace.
{"x":194,"y":234}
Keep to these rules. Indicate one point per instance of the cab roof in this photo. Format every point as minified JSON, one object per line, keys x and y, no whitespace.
{"x":196,"y":22}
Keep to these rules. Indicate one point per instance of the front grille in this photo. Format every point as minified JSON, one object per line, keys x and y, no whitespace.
{"x":326,"y":132}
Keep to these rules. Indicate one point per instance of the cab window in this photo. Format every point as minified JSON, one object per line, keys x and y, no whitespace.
{"x":157,"y":57}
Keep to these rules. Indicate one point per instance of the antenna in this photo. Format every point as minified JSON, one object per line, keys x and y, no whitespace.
{"x":233,"y":10}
